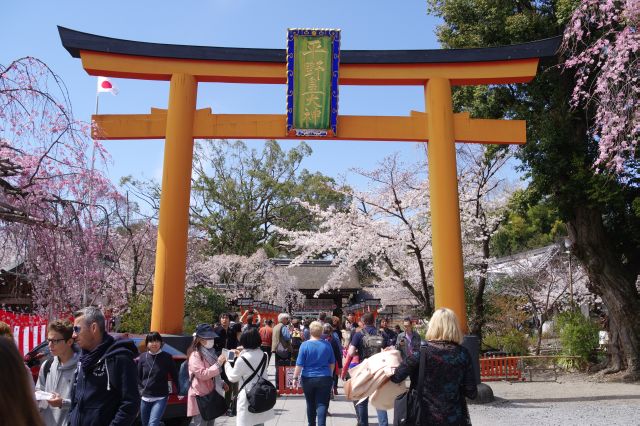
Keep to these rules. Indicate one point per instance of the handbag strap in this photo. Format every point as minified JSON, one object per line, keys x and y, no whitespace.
{"x":421,"y":369}
{"x":255,"y":371}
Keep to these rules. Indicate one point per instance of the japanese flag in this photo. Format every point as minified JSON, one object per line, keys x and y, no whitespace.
{"x":106,"y":85}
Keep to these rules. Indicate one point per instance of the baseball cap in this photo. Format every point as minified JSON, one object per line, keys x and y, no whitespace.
{"x":205,"y":331}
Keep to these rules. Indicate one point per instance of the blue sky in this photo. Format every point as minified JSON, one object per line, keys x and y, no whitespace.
{"x":29,"y":29}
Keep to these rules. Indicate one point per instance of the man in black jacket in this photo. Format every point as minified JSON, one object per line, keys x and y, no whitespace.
{"x":387,"y":332}
{"x":106,"y":389}
{"x":408,"y":342}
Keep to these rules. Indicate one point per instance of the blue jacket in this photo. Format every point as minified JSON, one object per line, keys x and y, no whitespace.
{"x":106,"y":392}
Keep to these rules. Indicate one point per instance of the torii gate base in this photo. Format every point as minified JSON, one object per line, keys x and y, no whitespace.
{"x":186,"y":66}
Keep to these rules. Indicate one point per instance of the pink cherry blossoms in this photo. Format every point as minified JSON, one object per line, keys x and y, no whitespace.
{"x":237,"y":276}
{"x":55,"y":203}
{"x":602,"y":45}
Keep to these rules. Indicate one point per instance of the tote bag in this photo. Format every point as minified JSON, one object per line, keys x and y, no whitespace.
{"x":211,"y":406}
{"x":407,"y":407}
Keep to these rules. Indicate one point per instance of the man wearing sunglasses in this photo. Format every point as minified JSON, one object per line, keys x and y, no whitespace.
{"x":57,"y":373}
{"x":106,"y":390}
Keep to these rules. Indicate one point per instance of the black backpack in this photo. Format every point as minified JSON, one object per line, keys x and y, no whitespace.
{"x":262,"y":395}
{"x":371,"y":344}
{"x":46,"y":367}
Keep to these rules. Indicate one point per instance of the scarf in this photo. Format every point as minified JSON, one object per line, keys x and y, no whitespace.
{"x":88,"y":359}
{"x":210,"y":356}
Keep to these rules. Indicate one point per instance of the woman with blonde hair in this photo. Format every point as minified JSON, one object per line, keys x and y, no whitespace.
{"x":448,"y":372}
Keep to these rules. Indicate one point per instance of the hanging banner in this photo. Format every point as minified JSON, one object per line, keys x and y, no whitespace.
{"x":36,"y":336}
{"x":25,"y":340}
{"x":16,"y":335}
{"x":29,"y":330}
{"x":313,"y":59}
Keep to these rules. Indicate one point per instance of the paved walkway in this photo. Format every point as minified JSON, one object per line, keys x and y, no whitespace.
{"x":574,"y":399}
{"x":292,"y":410}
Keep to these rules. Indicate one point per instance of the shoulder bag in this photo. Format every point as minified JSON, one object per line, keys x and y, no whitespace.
{"x":283,"y":350}
{"x":407,"y":407}
{"x":212,"y":405}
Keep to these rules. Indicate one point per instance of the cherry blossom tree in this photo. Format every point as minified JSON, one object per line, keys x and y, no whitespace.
{"x":386,"y":227}
{"x":238,"y":276}
{"x":55,"y":203}
{"x":602,"y":45}
{"x":133,"y":248}
{"x":544,"y":277}
{"x":484,"y":194}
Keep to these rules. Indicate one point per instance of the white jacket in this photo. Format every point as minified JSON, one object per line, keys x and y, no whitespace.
{"x":370,"y":378}
{"x":238,"y":374}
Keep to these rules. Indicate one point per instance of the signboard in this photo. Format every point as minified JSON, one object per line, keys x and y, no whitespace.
{"x":285,"y":382}
{"x":313,"y":58}
{"x":245,"y":301}
{"x":314,"y":304}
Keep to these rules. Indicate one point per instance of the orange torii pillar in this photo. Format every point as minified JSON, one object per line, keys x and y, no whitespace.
{"x":448,"y":271}
{"x":173,"y":225}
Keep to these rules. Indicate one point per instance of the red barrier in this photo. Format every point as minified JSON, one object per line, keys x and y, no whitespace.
{"x":285,"y":378}
{"x":28,"y":330}
{"x":501,"y":368}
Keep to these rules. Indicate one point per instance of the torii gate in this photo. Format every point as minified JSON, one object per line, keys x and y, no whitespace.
{"x":186,"y":66}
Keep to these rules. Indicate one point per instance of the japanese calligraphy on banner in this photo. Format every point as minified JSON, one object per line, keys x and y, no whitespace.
{"x":313,"y":57}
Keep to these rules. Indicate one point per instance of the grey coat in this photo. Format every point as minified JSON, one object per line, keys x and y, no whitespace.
{"x":59,"y":380}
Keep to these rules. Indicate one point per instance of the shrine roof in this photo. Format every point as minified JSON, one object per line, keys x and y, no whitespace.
{"x":76,"y":41}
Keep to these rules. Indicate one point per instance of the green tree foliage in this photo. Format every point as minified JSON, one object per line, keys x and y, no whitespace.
{"x":202,"y":305}
{"x":137,"y":319}
{"x":512,"y":341}
{"x":241,"y":193}
{"x":598,"y":208}
{"x":578,"y":335}
{"x":531,"y":223}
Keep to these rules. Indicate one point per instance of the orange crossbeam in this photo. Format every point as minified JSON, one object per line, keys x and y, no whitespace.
{"x":151,"y":68}
{"x":272,"y":126}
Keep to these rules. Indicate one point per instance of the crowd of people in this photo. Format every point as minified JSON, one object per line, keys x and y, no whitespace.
{"x":93,"y":379}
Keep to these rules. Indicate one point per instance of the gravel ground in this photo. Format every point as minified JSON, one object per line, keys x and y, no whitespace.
{"x":575,"y":399}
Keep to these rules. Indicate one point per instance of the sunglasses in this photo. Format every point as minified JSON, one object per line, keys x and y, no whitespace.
{"x":55,"y":341}
{"x":76,"y":329}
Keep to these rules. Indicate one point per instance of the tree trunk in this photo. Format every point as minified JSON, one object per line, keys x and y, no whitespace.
{"x":611,"y":280}
{"x":616,"y":354}
{"x":543,"y":319}
{"x":478,"y":304}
